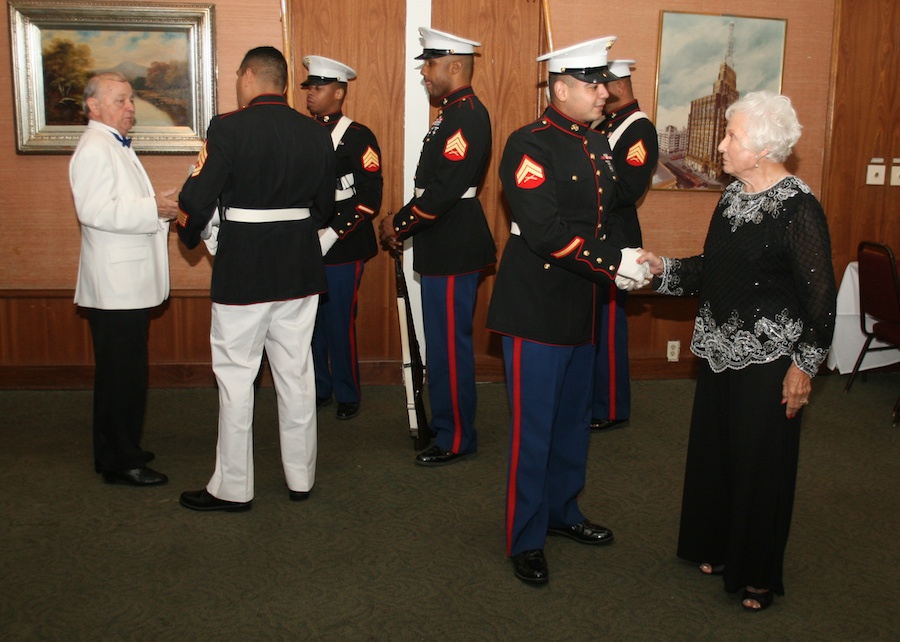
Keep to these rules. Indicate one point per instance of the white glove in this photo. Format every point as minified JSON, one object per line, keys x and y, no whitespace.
{"x":210,"y":233}
{"x":327,"y":238}
{"x":624,"y":283}
{"x":632,"y":275}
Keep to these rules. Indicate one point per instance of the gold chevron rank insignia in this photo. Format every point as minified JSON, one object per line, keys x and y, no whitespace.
{"x":456,"y":147}
{"x":637,"y":154}
{"x":201,"y":158}
{"x":530,"y":174}
{"x":370,"y":160}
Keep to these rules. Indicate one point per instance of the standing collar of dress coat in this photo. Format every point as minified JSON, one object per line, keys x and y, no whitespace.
{"x":563,"y":122}
{"x":622,"y":113}
{"x":456,"y":96}
{"x":269,"y":99}
{"x":329,"y":119}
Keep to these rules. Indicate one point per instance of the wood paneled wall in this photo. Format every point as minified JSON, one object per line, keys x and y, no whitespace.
{"x":44,"y":342}
{"x":864,"y":124}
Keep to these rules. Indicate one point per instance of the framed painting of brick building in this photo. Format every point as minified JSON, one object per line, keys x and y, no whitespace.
{"x":706,"y":62}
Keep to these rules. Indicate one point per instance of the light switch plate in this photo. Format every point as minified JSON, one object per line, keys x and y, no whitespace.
{"x":875,"y":175}
{"x":895,"y":175}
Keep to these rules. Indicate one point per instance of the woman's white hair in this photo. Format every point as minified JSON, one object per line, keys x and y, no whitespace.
{"x":771,"y":123}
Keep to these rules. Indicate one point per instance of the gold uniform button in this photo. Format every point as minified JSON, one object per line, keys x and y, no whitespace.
{"x":574,"y":177}
{"x":586,"y":253}
{"x":593,"y":156}
{"x":612,"y":268}
{"x":546,"y":266}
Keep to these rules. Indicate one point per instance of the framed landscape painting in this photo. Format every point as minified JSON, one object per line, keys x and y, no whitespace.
{"x":165,"y":51}
{"x":706,"y":62}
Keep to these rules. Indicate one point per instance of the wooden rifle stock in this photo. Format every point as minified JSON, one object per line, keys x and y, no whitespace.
{"x":413,"y":368}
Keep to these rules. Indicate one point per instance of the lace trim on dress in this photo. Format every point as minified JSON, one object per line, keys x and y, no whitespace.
{"x":669,"y":281}
{"x":742,"y":207}
{"x":731,"y":346}
{"x":809,"y":357}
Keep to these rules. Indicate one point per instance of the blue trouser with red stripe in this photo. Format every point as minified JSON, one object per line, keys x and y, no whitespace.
{"x":335,"y":355}
{"x":448,"y":303}
{"x":612,"y":378}
{"x":549,"y":391}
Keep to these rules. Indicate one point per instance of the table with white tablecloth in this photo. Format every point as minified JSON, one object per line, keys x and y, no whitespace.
{"x":848,"y":337}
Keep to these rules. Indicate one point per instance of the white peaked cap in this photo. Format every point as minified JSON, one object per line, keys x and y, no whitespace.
{"x":323,"y":71}
{"x":439,"y":43}
{"x":586,"y":60}
{"x":621,"y":68}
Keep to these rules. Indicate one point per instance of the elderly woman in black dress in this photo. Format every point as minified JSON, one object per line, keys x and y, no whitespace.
{"x":767,"y":302}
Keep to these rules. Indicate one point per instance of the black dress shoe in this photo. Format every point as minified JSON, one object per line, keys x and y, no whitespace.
{"x":298,"y":495}
{"x":347,"y":409}
{"x":607,"y":424}
{"x":142,"y":476}
{"x":585,"y":533}
{"x":531,"y":567}
{"x":437,"y":456}
{"x":202,"y":500}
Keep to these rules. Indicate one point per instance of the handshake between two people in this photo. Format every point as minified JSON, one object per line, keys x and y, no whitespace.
{"x":637,"y":268}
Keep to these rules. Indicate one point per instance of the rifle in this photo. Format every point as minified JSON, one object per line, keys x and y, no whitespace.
{"x":413,"y":369}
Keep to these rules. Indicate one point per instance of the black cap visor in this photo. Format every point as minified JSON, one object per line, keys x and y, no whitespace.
{"x":317,"y":80}
{"x":593,"y":75}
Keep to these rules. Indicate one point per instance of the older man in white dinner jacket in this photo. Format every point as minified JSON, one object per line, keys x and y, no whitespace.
{"x":123,"y":273}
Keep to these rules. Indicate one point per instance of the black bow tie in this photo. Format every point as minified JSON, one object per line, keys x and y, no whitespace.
{"x":126,"y":142}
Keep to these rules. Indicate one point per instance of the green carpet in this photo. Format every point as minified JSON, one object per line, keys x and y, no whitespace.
{"x":386,"y":550}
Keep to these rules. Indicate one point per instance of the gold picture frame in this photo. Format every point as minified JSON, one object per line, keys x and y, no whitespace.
{"x":166,"y":51}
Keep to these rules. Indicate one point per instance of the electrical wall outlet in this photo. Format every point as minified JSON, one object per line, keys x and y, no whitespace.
{"x":673,"y":350}
{"x":875,"y":175}
{"x":895,"y":174}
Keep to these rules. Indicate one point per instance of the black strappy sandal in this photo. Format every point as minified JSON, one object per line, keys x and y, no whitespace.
{"x":712,"y":569}
{"x":763,"y":598}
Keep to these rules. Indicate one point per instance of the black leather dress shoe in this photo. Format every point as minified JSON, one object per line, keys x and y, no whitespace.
{"x":347,"y":410}
{"x":142,"y":476}
{"x":607,"y":424}
{"x":585,"y":533}
{"x":298,"y":495}
{"x":437,"y":456}
{"x":531,"y":567}
{"x":202,"y":500}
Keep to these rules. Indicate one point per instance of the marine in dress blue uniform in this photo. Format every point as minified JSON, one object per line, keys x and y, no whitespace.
{"x":349,"y":239}
{"x":559,"y":179}
{"x":270,"y":171}
{"x":635,"y":149}
{"x":451,"y":240}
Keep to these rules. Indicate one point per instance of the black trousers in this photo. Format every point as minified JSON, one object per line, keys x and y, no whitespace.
{"x":120,"y":386}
